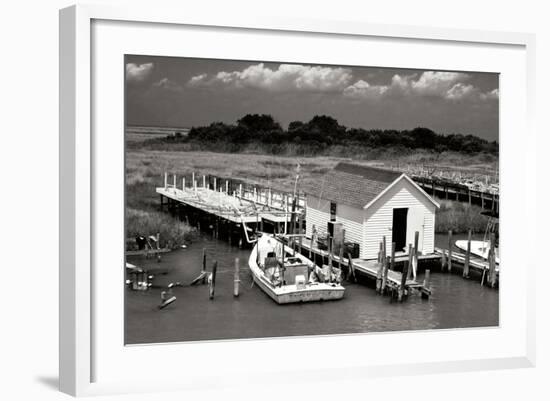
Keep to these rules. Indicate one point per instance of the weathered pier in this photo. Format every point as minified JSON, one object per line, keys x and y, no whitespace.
{"x":466,"y":263}
{"x":398,"y":284}
{"x":446,"y":189}
{"x":229,"y":210}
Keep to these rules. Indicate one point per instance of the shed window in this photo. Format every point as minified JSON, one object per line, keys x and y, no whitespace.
{"x":332,"y":211}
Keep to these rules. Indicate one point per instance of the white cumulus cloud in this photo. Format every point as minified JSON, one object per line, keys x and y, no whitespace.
{"x":461,"y":91}
{"x":168,"y":84}
{"x":138,"y":72}
{"x":285,"y":77}
{"x":437,"y":83}
{"x":363,"y":90}
{"x":491,"y":95}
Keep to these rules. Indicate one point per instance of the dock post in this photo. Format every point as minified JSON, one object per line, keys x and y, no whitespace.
{"x":213,"y":279}
{"x":466,"y":271}
{"x":193,"y":180}
{"x":174,"y":181}
{"x":392,"y":260}
{"x":385,"y":274}
{"x":236,"y":279}
{"x":351,"y":270}
{"x":340,"y":258}
{"x":226,"y":187}
{"x":492,"y":263}
{"x":380,"y":269}
{"x":183,"y":184}
{"x":415,"y":255}
{"x":240,"y":190}
{"x":165,"y":180}
{"x":215,"y":184}
{"x":401,"y":290}
{"x":426,"y":286}
{"x":469,"y":197}
{"x":311,"y":245}
{"x":450,"y":260}
{"x":203,"y":264}
{"x":329,"y":261}
{"x":159,"y":257}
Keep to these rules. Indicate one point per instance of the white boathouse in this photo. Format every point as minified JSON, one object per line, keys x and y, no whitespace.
{"x":371,"y":203}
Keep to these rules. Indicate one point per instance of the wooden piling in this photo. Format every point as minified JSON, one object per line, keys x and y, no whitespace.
{"x":415,"y":255}
{"x":204,"y":264}
{"x":466,"y":271}
{"x":406,"y":266}
{"x":492,"y":263}
{"x":426,"y":286}
{"x":385,"y":267}
{"x":450,"y":260}
{"x":351,"y":270}
{"x":380,"y":268}
{"x":165,"y":180}
{"x":236,"y":280}
{"x":213,"y":279}
{"x":392,"y":260}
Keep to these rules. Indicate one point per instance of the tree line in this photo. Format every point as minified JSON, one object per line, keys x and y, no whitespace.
{"x":323,"y":132}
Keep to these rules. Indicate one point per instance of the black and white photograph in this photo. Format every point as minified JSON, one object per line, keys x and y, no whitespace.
{"x":272,"y":199}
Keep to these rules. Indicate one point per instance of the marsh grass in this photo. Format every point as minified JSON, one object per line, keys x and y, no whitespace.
{"x":173,"y":233}
{"x":459,"y":217}
{"x":145,"y":171}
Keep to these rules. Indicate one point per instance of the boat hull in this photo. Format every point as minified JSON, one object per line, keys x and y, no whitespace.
{"x":477,"y":248}
{"x":297,"y":296}
{"x":287,"y":294}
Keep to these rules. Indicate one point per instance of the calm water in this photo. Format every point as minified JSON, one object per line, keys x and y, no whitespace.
{"x":455,"y":303}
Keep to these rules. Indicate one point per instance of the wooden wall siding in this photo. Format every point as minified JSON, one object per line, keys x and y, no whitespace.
{"x":379,"y":217}
{"x":318,"y":213}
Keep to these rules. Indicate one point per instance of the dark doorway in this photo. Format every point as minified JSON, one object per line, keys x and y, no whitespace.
{"x":399,"y":228}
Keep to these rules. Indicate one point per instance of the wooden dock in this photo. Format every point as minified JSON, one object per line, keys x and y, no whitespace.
{"x":229,"y":210}
{"x":373,"y":269}
{"x":445,"y":189}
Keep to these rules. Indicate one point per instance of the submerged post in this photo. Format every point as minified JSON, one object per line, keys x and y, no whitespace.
{"x":204,"y":263}
{"x":212,"y":280}
{"x":236,"y":280}
{"x":426,"y":286}
{"x":450,"y":260}
{"x":466,"y":271}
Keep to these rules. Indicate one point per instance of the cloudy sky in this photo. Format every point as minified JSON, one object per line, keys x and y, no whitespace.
{"x":185,"y":92}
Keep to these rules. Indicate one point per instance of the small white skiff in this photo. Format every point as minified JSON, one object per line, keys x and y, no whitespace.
{"x":478,"y":248}
{"x":289,"y":277}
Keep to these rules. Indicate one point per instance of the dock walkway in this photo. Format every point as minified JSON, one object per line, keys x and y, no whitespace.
{"x":372,"y":268}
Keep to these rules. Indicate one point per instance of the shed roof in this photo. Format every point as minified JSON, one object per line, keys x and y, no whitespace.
{"x":354,"y":185}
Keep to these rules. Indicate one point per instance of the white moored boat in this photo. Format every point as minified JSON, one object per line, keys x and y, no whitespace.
{"x":289,"y":277}
{"x":481,"y":248}
{"x":478,"y":248}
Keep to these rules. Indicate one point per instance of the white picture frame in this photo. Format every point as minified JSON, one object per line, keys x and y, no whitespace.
{"x":82,"y":346}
